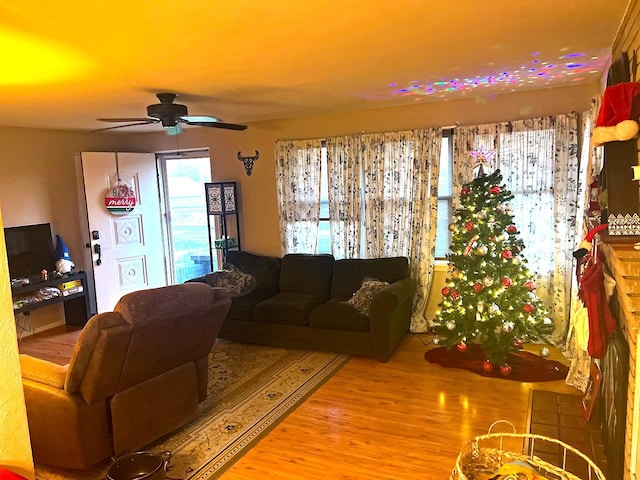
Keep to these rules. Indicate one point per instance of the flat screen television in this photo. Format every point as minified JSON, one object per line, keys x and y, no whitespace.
{"x":29,"y":250}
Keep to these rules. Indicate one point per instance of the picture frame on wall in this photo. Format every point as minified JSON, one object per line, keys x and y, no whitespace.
{"x":592,"y":392}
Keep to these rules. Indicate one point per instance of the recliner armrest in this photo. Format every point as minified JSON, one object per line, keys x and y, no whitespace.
{"x":42,"y":371}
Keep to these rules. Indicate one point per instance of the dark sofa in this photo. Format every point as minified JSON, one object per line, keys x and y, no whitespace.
{"x":299,"y":302}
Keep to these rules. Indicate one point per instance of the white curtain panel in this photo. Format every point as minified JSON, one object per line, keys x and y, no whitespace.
{"x":400,"y":203}
{"x":344,"y":162}
{"x":298,"y":184}
{"x":538,"y":159}
{"x":575,"y":347}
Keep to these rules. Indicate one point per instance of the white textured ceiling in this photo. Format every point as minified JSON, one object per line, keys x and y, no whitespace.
{"x":68,"y":63}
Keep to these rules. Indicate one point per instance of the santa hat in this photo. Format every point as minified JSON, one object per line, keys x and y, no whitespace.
{"x":618,"y":115}
{"x":586,"y":244}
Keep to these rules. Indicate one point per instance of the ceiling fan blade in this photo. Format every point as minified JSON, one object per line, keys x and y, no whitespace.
{"x":228,"y":126}
{"x":123,"y":126}
{"x":143,"y":119}
{"x":199,"y":118}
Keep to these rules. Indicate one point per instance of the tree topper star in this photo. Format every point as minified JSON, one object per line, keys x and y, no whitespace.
{"x":482,"y":158}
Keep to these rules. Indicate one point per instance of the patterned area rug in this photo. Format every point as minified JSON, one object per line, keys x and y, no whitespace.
{"x":251,"y":389}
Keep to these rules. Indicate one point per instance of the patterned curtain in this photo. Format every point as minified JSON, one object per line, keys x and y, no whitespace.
{"x":538,"y":159}
{"x":298,"y":185}
{"x":400,"y":203}
{"x":575,"y":347}
{"x":344,"y":162}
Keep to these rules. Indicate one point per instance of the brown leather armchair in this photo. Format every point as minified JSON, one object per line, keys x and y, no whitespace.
{"x":136,"y":373}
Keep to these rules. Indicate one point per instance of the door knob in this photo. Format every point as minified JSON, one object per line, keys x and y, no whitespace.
{"x":98,"y":251}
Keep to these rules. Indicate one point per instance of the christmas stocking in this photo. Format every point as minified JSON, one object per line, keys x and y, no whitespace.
{"x":601,"y":322}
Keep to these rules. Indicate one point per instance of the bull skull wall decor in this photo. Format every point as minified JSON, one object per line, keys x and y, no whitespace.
{"x":248,"y":162}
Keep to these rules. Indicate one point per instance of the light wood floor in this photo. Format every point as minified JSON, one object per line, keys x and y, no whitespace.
{"x":405,"y":419}
{"x":55,"y":345}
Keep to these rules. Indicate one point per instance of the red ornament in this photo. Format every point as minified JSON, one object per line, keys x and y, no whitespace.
{"x":478,"y":287}
{"x":505,"y":370}
{"x":469,"y":226}
{"x":506,"y":254}
{"x":506,"y":282}
{"x":487,"y":366}
{"x":455,"y":295}
{"x":530,"y":285}
{"x":465,"y":191}
{"x":446,"y":291}
{"x":517,"y":343}
{"x":462,"y":347}
{"x":495,"y":190}
{"x":512,"y":229}
{"x":528,"y":308}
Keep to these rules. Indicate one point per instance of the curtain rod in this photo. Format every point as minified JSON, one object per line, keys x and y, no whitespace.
{"x":448,"y":127}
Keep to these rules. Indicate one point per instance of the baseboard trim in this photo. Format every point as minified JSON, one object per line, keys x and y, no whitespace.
{"x":41,"y":328}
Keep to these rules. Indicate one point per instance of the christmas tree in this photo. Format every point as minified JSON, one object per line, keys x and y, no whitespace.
{"x":489,"y":294}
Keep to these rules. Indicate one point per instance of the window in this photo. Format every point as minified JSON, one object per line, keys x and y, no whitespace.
{"x":445,"y":196}
{"x":324,"y":230}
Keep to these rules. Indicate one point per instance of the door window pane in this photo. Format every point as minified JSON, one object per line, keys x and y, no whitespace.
{"x":187,"y":211}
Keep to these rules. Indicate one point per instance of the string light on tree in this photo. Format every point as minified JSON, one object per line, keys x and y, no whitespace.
{"x":489,"y":296}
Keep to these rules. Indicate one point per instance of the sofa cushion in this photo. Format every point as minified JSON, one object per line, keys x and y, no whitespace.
{"x":233,"y":280}
{"x":287,"y":308}
{"x":348,"y":273}
{"x":363,"y":297}
{"x":338,"y":315}
{"x":266,"y":271}
{"x":305,"y":273}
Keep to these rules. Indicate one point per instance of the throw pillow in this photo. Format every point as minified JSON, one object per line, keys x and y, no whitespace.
{"x":362,"y":299}
{"x":231,"y":279}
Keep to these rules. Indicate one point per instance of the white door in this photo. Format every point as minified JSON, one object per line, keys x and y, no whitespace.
{"x":127,"y":251}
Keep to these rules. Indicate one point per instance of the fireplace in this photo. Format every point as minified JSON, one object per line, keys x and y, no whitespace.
{"x":623,"y":262}
{"x":613,"y":403}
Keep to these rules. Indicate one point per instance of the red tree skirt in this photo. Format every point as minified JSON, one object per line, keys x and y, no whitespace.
{"x":525,"y":366}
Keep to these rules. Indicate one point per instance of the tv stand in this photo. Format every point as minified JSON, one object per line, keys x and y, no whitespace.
{"x":76,"y":305}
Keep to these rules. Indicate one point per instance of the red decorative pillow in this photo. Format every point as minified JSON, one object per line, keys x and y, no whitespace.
{"x":7,"y":475}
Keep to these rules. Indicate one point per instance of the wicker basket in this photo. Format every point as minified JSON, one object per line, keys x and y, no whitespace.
{"x":481,"y":457}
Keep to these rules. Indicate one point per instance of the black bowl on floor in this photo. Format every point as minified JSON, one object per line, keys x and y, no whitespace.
{"x":139,"y":466}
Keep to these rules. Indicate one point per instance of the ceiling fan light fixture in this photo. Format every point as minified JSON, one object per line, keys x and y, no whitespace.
{"x":173,"y":130}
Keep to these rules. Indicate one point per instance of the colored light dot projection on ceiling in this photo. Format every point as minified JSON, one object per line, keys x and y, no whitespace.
{"x":535,"y":73}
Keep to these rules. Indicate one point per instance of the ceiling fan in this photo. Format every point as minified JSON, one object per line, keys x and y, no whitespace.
{"x":171,"y":115}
